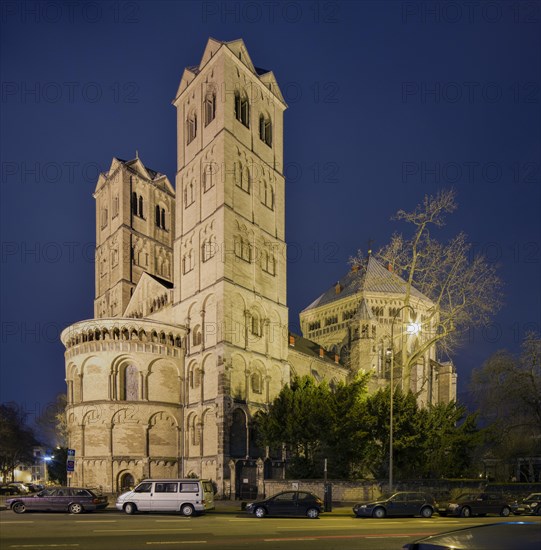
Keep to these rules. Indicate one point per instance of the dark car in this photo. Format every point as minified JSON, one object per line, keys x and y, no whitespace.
{"x":497,"y":536}
{"x":288,"y":503}
{"x":397,"y":504}
{"x":63,"y":499}
{"x":9,"y":490}
{"x":480,"y":505}
{"x":530,"y":505}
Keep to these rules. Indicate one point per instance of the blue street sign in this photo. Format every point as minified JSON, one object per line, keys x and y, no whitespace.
{"x":70,"y":465}
{"x":71,"y":452}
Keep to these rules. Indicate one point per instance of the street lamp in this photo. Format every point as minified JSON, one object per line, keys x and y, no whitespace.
{"x":411,"y":328}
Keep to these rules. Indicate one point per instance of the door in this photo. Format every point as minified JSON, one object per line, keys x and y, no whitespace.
{"x":165,"y":497}
{"x":141,"y":496}
{"x":284,"y":504}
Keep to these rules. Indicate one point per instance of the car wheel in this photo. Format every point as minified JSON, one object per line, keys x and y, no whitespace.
{"x":186,"y":510}
{"x":378,"y":513}
{"x":426,"y":512}
{"x":19,"y":508}
{"x":130,"y":508}
{"x":260,"y":512}
{"x":312,"y":513}
{"x":505,"y":511}
{"x":75,"y":508}
{"x":465,"y":512}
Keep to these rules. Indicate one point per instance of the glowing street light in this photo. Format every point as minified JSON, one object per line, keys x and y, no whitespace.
{"x":411,"y":329}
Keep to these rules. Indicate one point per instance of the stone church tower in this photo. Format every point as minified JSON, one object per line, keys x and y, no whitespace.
{"x":190,"y":331}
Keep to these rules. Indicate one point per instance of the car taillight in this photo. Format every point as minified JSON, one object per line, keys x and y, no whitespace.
{"x":95,"y":501}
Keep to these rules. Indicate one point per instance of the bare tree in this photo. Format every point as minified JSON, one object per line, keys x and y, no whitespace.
{"x":464,"y":289}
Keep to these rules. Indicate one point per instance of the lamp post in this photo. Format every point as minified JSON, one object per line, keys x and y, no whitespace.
{"x":412,"y":328}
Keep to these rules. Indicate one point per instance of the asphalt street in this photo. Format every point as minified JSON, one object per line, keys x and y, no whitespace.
{"x":226,"y":528}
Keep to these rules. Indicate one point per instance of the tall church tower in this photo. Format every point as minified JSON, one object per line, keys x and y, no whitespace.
{"x":135,"y":228}
{"x":230,"y":256}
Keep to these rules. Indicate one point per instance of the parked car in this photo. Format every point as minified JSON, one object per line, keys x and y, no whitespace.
{"x":187,"y":496}
{"x":467,"y":505}
{"x":9,"y":490}
{"x":530,"y":505}
{"x":22,"y":487}
{"x":497,"y":536}
{"x":287,"y":503}
{"x":64,"y":499}
{"x":397,"y":504}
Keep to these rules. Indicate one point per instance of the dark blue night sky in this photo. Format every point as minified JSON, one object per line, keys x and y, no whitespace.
{"x":387,"y":101}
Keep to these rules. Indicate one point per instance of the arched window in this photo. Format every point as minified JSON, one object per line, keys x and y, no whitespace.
{"x":243,"y":177}
{"x":265,"y":129}
{"x":269,"y":263}
{"x":191,"y":127}
{"x":267,"y":195}
{"x":163,"y":218}
{"x":196,"y":337}
{"x":242,"y":109}
{"x":208,"y":179}
{"x":129,"y":383}
{"x":255,"y":326}
{"x":159,"y":217}
{"x":208,"y":249}
{"x":210,"y":107}
{"x":257,"y":382}
{"x":134,"y":203}
{"x":141,"y":213}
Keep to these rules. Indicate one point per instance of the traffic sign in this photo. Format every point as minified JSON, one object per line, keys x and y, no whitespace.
{"x":70,"y":465}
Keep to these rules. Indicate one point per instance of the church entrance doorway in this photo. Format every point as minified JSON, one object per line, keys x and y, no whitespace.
{"x":126,"y":482}
{"x":246,"y":479}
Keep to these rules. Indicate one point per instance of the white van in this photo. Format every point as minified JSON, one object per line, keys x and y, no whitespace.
{"x":188,"y":496}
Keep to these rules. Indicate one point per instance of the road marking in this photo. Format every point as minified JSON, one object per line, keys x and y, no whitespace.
{"x":133,"y":530}
{"x":6,"y":522}
{"x":179,"y":542}
{"x":288,"y":539}
{"x":96,"y":521}
{"x":42,"y":545}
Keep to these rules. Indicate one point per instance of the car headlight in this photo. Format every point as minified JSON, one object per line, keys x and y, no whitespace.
{"x":453,"y":506}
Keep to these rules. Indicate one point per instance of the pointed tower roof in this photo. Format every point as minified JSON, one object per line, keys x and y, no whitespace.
{"x":363,"y":312}
{"x":372,"y":277}
{"x":239,"y":51}
{"x":137,"y":167}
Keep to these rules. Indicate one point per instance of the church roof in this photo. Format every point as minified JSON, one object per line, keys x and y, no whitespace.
{"x":240,"y":53}
{"x":311,"y":348}
{"x":154,"y":174}
{"x":163,"y":282}
{"x":372,"y":277}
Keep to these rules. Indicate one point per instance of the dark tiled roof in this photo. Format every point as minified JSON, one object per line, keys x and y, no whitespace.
{"x":370,"y":278}
{"x":163,"y":282}
{"x":154,"y":174}
{"x":308,"y":347}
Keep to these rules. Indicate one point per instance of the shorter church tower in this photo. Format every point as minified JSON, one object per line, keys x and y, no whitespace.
{"x":135,"y":228}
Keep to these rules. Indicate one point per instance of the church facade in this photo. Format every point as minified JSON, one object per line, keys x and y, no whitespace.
{"x":190,"y":330}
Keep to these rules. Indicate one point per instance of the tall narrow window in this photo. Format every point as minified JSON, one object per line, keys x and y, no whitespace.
{"x":134,"y":203}
{"x":163,"y":218}
{"x":115,"y":206}
{"x":267,"y":195}
{"x":157,"y":216}
{"x":141,"y":213}
{"x":210,"y":107}
{"x":243,"y":177}
{"x":242,"y":109}
{"x":191,"y":128}
{"x":265,"y":129}
{"x":208,"y":180}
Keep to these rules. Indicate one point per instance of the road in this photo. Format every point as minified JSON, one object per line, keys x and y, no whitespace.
{"x":224,"y":529}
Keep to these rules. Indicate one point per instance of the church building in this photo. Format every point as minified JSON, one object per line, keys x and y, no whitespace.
{"x":190,"y":330}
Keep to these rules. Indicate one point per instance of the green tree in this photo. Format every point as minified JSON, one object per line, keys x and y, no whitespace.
{"x":451,"y":438}
{"x":56,"y":467}
{"x":507,"y":390}
{"x":16,"y":440}
{"x":299,"y":418}
{"x":348,"y":445}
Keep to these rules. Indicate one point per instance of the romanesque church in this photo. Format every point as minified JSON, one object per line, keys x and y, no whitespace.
{"x":190,"y":330}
